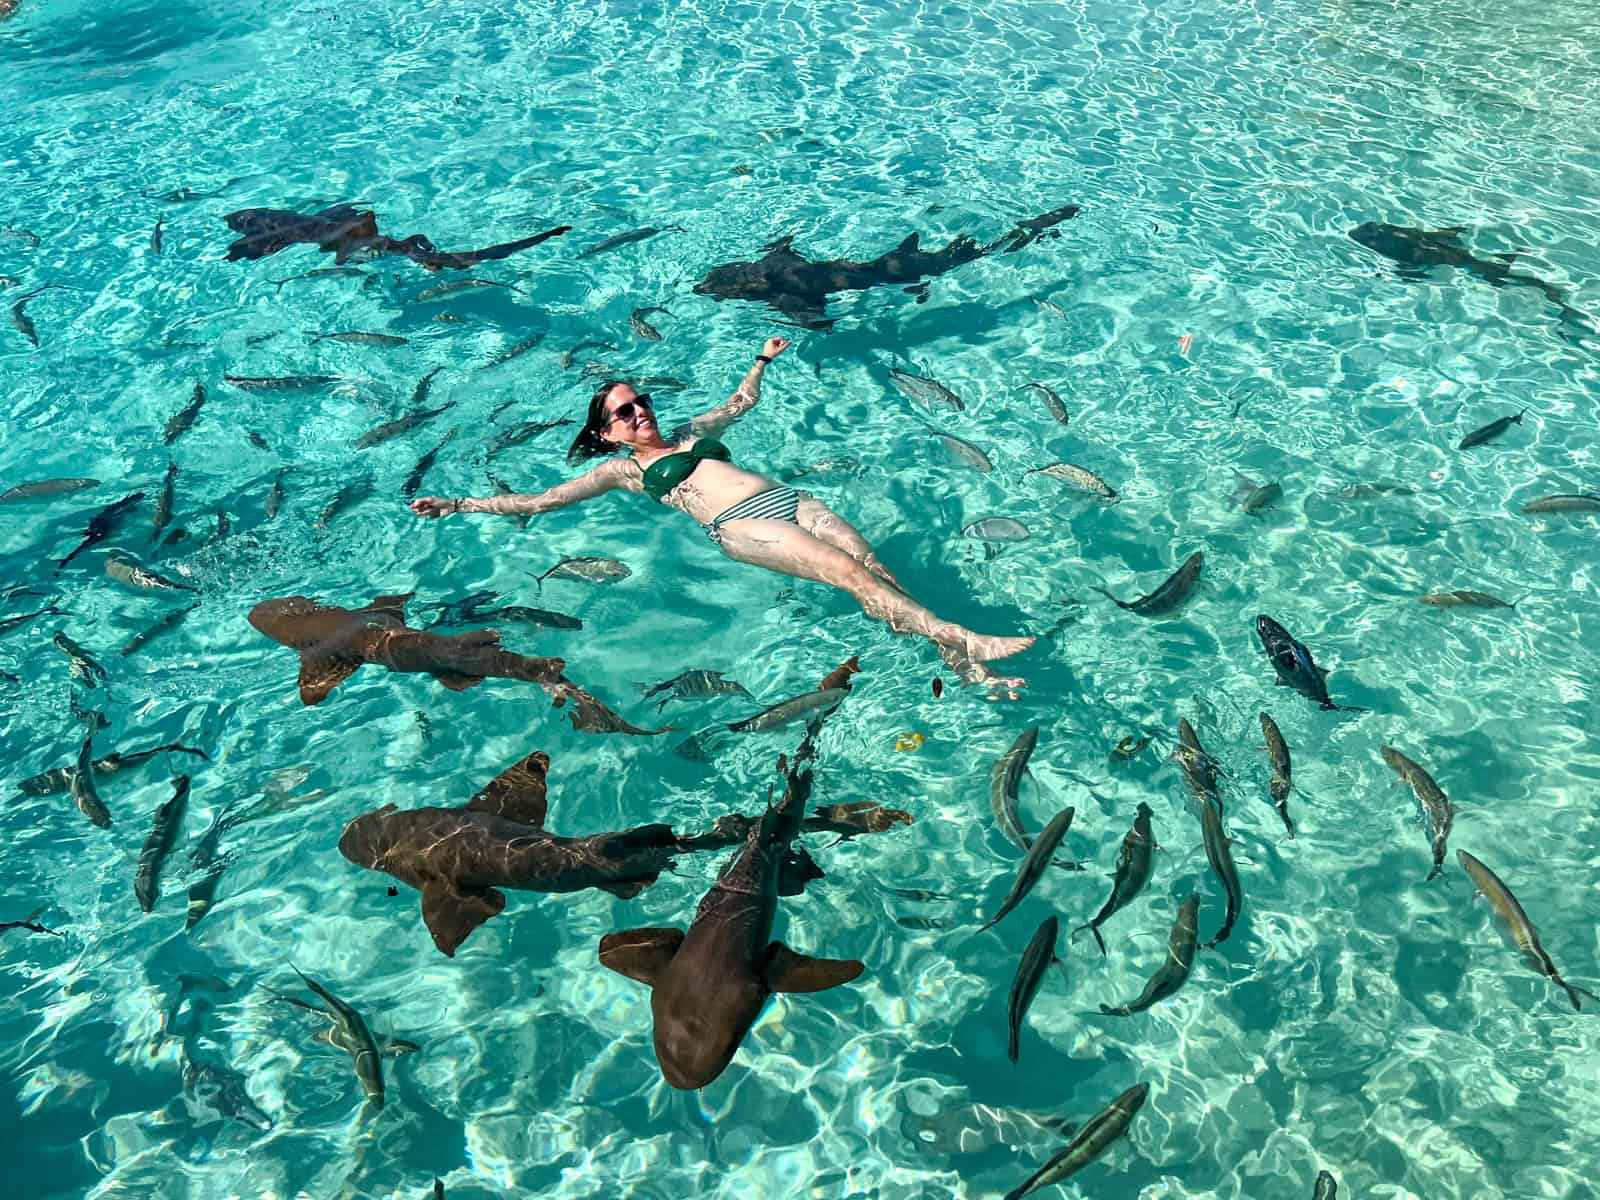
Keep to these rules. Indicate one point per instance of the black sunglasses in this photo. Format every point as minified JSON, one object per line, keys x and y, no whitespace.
{"x":624,"y":412}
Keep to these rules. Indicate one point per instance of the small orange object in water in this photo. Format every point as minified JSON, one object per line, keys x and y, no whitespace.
{"x":1184,"y":343}
{"x":938,"y":688}
{"x":909,"y":741}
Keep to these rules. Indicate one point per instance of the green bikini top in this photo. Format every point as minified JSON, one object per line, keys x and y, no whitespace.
{"x":668,"y":471}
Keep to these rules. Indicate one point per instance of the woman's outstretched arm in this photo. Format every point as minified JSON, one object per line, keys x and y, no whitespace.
{"x":607,"y":477}
{"x":742,"y":400}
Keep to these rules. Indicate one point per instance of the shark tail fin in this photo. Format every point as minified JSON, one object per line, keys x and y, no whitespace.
{"x":451,"y":914}
{"x":787,"y":971}
{"x":640,"y":954}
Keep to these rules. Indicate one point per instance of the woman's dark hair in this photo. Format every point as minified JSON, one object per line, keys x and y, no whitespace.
{"x":590,"y":442}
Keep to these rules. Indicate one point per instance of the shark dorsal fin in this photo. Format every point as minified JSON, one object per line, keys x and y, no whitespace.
{"x":784,"y":244}
{"x":321,"y":673}
{"x":787,"y":971}
{"x":389,"y":606}
{"x":909,"y":246}
{"x":518,"y":793}
{"x":451,"y":914}
{"x":641,"y":954}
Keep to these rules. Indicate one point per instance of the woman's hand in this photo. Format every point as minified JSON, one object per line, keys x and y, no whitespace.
{"x":775,"y":346}
{"x":434,"y":506}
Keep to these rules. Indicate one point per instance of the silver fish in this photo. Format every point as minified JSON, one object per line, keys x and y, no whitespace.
{"x":1282,"y":770}
{"x":1490,"y":431}
{"x":1052,"y":401}
{"x":256,"y":440}
{"x":165,"y":625}
{"x":461,"y":285}
{"x":402,"y":424}
{"x":346,"y":497}
{"x":1435,"y":804}
{"x":322,"y":273}
{"x":1004,"y":778}
{"x":84,"y":794}
{"x":181,"y":420}
{"x":568,"y":357}
{"x":1133,"y":870}
{"x":1091,"y":1141}
{"x":425,"y":464}
{"x":1034,"y":862}
{"x":350,"y":1034}
{"x":1174,"y":969}
{"x":792,"y":709}
{"x":164,"y":831}
{"x":1517,"y":924}
{"x":132,"y":574}
{"x":502,"y":488}
{"x":929,"y":393}
{"x":521,"y":432}
{"x":23,"y":322}
{"x":1217,"y":845}
{"x":282,"y":383}
{"x":625,"y":239}
{"x":356,"y":337}
{"x":79,"y":660}
{"x":164,"y":500}
{"x":47,"y":487}
{"x":1253,"y":497}
{"x":1564,"y":502}
{"x":694,"y":685}
{"x":1169,"y":596}
{"x":521,"y":348}
{"x":637,"y":322}
{"x":964,"y":452}
{"x":155,"y":237}
{"x":1036,"y":959}
{"x":275,"y":494}
{"x":590,"y":569}
{"x":996,"y":530}
{"x":1465,"y":599}
{"x":12,"y":624}
{"x":1078,"y":477}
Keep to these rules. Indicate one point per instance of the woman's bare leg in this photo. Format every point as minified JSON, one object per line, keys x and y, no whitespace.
{"x":788,"y":549}
{"x":822,"y":523}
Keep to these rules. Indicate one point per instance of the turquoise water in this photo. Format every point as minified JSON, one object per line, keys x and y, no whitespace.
{"x":1356,"y":1021}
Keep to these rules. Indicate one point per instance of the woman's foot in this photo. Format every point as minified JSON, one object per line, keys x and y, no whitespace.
{"x":1000,"y":687}
{"x":985,"y":649}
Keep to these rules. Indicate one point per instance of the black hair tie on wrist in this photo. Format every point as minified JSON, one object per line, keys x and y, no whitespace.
{"x":766,"y":358}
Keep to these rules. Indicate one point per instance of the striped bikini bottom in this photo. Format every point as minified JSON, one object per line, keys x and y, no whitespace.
{"x":775,"y":504}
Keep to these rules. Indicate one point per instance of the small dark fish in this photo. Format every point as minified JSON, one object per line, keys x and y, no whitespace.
{"x":321,"y":273}
{"x":1169,"y":596}
{"x":1091,"y":1141}
{"x":282,"y":383}
{"x":147,"y":878}
{"x":22,"y":235}
{"x":1174,"y":969}
{"x":165,"y":625}
{"x":637,"y":322}
{"x":12,"y":624}
{"x":996,"y":530}
{"x":1078,"y":477}
{"x":1465,"y":599}
{"x":81,"y":662}
{"x":165,"y":499}
{"x":419,"y":394}
{"x":929,"y":393}
{"x":461,"y":285}
{"x":1294,"y":666}
{"x":521,"y":614}
{"x":180,"y":422}
{"x":625,"y":239}
{"x":1253,"y":496}
{"x":1004,"y":779}
{"x":1517,"y":924}
{"x":135,"y":576}
{"x":923,"y":922}
{"x":1129,"y":746}
{"x":403,"y":424}
{"x":103,"y":524}
{"x":31,"y":924}
{"x":1052,"y":401}
{"x":1133,"y":870}
{"x":256,"y":440}
{"x":1490,"y":431}
{"x":84,"y":794}
{"x":350,"y":1033}
{"x":1282,"y":771}
{"x":1374,"y":491}
{"x":1326,"y":1188}
{"x":346,"y":497}
{"x":275,"y":494}
{"x":356,"y":337}
{"x":694,"y":685}
{"x":1221,"y":860}
{"x":938,"y":687}
{"x":569,"y":356}
{"x":1199,"y":768}
{"x":23,"y":322}
{"x":1034,"y":862}
{"x":155,"y":236}
{"x":662,"y":383}
{"x":521,"y":348}
{"x":210,"y":1088}
{"x":1564,"y":502}
{"x":842,"y":464}
{"x":210,"y":865}
{"x":521,"y":432}
{"x":964,"y":452}
{"x":59,"y":779}
{"x":1436,"y":805}
{"x":425,"y":464}
{"x":464,"y":611}
{"x":1036,"y":959}
{"x":589,"y":569}
{"x":47,"y":487}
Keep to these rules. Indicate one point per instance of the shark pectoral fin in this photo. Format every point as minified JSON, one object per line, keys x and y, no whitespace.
{"x":787,"y":971}
{"x":797,"y":870}
{"x":626,"y":891}
{"x":457,"y":683}
{"x":451,"y":915}
{"x":320,"y":674}
{"x":517,"y":793}
{"x":918,"y":290}
{"x":644,"y":837}
{"x":640,"y":954}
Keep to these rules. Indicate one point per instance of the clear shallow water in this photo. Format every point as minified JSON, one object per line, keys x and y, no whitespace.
{"x":1356,"y":1019}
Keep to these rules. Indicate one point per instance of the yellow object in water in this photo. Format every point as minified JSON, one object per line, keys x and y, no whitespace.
{"x":909,"y":741}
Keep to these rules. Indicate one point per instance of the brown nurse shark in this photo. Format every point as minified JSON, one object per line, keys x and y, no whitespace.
{"x":335,"y":642}
{"x":708,"y":985}
{"x":458,"y":857}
